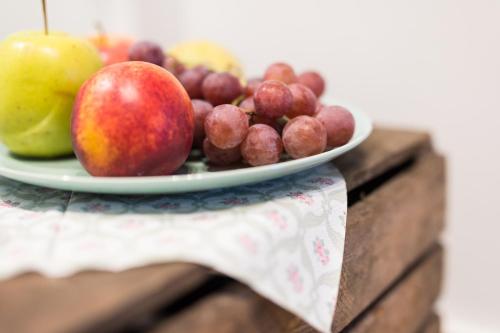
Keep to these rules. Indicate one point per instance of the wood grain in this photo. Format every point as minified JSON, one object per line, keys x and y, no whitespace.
{"x":431,"y":325}
{"x":234,"y":308}
{"x":387,"y":231}
{"x":384,"y":149}
{"x":89,"y":300}
{"x":98,"y":299}
{"x":406,"y":307}
{"x":408,"y":304}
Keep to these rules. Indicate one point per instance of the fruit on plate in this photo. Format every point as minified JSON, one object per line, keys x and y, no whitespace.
{"x":209,"y":54}
{"x":262,"y":145}
{"x":113,"y":48}
{"x":173,"y":65}
{"x":304,"y":101}
{"x":282,"y":72}
{"x":339,"y":124}
{"x":40,"y":74}
{"x":192,"y":80}
{"x":304,"y":136}
{"x":282,"y":113}
{"x":221,"y":88}
{"x":252,"y":86}
{"x":273,"y":99}
{"x":314,"y":81}
{"x":219,"y":156}
{"x":132,"y":119}
{"x":201,"y":110}
{"x":277,"y":124}
{"x":226,"y":126}
{"x":247,"y":105}
{"x":146,"y":51}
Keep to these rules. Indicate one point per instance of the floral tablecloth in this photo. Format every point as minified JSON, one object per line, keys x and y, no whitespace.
{"x":283,"y":238}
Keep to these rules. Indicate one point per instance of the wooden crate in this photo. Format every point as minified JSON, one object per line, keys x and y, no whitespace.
{"x":391,"y":274}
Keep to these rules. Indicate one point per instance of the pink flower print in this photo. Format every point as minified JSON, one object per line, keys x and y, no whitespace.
{"x":234,"y":201}
{"x":32,"y":215}
{"x":278,"y":220}
{"x":295,"y":278}
{"x":203,"y":217}
{"x":334,"y":301}
{"x":248,"y":243}
{"x":56,"y":228}
{"x":90,"y":246}
{"x":167,"y":239}
{"x":321,"y":251}
{"x":166,"y":205}
{"x":323,"y":181}
{"x":300,"y":196}
{"x":17,"y":252}
{"x":131,"y":224}
{"x":96,"y":207}
{"x":9,"y":204}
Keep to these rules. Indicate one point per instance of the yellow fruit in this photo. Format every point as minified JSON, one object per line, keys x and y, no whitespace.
{"x":206,"y":53}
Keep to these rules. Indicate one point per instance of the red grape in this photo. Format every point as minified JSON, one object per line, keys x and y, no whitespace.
{"x":226,"y":126}
{"x":319,"y":106}
{"x":339,"y":124}
{"x":304,"y":101}
{"x":252,"y":86}
{"x":273,"y":99}
{"x":304,"y":136}
{"x":219,"y":156}
{"x":281,"y":72}
{"x":173,"y":66}
{"x":201,"y":110}
{"x":274,"y":123}
{"x":248,"y":105}
{"x":314,"y":81}
{"x":221,"y":88}
{"x":262,"y":146}
{"x":192,"y":80}
{"x":146,"y":51}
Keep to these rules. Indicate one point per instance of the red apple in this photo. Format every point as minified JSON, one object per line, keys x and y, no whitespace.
{"x":132,"y":119}
{"x":113,"y":49}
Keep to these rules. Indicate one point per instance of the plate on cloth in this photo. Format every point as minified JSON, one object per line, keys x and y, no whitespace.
{"x":68,"y":174}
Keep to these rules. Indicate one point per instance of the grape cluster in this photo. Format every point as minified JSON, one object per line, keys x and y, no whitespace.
{"x":269,"y":118}
{"x":151,"y":52}
{"x":261,"y":122}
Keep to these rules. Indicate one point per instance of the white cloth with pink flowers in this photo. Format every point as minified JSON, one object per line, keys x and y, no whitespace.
{"x":283,"y":238}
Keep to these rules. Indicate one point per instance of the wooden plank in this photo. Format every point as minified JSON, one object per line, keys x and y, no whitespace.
{"x":93,"y":298}
{"x":384,"y":149}
{"x":408,"y":304}
{"x":432,"y":325}
{"x":236,"y":308}
{"x":387,"y":232}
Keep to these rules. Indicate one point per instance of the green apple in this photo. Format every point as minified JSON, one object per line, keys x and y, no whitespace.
{"x":40,"y":75}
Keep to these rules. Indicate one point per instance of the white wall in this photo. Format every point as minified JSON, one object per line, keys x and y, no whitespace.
{"x":430,"y":64}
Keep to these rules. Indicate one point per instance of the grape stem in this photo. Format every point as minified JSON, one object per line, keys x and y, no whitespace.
{"x":45,"y":20}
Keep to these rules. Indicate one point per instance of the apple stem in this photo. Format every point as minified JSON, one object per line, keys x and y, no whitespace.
{"x":45,"y":20}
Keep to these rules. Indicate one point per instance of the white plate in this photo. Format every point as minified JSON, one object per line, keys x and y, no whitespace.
{"x":68,"y":174}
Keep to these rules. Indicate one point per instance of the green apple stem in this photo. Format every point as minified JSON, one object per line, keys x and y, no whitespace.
{"x":45,"y":20}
